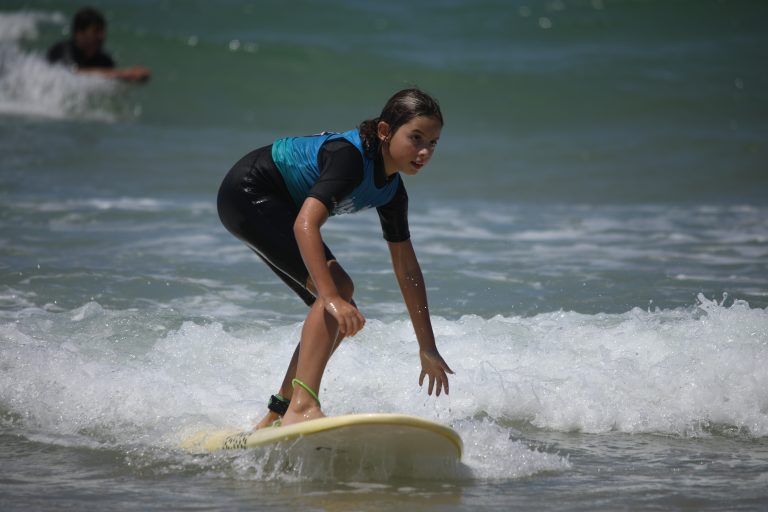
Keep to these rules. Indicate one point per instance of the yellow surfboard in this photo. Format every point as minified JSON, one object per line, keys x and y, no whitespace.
{"x":397,"y":436}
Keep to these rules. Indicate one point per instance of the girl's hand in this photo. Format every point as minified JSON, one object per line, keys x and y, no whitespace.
{"x":348,"y":316}
{"x":432,"y":364}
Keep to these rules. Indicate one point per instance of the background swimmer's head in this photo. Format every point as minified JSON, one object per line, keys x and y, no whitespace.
{"x":89,"y":30}
{"x":400,"y":108}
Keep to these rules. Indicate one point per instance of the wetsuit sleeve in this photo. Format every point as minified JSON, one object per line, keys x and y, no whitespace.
{"x":102,"y":60}
{"x":394,"y":216}
{"x":56,"y":53}
{"x":341,"y":171}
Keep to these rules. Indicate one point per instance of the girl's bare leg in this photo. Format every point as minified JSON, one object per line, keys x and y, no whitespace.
{"x":286,"y":389}
{"x":319,"y":339}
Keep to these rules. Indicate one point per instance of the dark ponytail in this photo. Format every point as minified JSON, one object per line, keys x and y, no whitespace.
{"x":401,"y":108}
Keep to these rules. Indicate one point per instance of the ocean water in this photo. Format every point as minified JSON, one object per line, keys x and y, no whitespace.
{"x":593,"y":230}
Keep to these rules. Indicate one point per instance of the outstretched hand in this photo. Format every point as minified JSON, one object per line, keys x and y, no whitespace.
{"x":347,"y":315}
{"x":133,"y":74}
{"x":432,"y":364}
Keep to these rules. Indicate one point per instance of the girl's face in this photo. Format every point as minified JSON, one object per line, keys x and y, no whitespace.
{"x":411,"y":146}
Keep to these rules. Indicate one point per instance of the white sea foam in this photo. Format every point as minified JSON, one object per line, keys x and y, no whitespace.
{"x":138,"y":204}
{"x":17,"y":26}
{"x":135,"y":375}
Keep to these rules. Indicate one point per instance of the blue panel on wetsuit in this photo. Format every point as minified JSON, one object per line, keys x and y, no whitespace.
{"x":296,"y":158}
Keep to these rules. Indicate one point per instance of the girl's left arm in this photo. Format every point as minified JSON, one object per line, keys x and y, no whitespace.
{"x":411,"y":281}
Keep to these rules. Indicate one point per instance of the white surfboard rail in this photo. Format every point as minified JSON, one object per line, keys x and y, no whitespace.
{"x":401,"y":431}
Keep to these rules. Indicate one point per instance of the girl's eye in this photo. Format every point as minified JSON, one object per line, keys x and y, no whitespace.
{"x":418,"y":140}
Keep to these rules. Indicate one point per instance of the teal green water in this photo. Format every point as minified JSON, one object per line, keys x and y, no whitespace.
{"x":593,"y":231}
{"x":611,"y":101}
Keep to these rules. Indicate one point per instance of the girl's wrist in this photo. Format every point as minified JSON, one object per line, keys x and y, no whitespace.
{"x":331,"y":303}
{"x":328,"y":298}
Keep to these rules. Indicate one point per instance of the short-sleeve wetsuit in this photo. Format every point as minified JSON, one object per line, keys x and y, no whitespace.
{"x":260,"y":197}
{"x":67,"y":53}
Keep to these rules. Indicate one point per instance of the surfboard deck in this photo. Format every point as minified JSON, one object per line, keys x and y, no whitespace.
{"x":397,"y":435}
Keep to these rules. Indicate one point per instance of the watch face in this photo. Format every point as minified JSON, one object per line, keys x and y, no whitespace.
{"x":278,"y":404}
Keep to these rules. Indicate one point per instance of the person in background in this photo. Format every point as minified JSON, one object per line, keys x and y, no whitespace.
{"x":84,"y":50}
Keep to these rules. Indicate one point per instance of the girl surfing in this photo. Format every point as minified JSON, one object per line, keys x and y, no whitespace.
{"x":276,"y":200}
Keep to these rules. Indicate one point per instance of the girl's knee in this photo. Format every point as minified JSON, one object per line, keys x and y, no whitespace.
{"x":341,"y":279}
{"x":343,"y":282}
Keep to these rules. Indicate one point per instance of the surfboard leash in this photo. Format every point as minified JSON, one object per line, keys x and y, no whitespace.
{"x":294,"y":382}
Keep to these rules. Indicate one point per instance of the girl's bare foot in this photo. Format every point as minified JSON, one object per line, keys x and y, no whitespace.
{"x":295,"y":416}
{"x":267,"y":421}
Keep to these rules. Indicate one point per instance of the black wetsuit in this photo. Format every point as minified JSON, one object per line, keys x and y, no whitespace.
{"x":254,"y":205}
{"x":66,"y":52}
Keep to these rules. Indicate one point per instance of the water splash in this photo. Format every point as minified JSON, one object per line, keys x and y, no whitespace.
{"x":128,"y":377}
{"x":29,"y":86}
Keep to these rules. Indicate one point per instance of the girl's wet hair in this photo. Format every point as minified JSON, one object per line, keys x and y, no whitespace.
{"x":401,"y":108}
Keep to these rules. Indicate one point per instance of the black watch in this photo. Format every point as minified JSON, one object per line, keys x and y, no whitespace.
{"x":278,"y":404}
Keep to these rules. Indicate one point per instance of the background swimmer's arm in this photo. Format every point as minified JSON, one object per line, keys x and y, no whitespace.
{"x":306,"y":229}
{"x":131,"y":74}
{"x":411,"y":281}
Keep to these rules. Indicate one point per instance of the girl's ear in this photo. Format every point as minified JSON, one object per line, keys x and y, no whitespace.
{"x":382,"y":130}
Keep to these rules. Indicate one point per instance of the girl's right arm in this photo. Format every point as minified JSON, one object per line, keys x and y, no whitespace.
{"x":306,"y":229}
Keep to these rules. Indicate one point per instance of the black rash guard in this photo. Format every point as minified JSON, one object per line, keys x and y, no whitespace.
{"x":67,"y":53}
{"x":254,"y":205}
{"x":341,"y":167}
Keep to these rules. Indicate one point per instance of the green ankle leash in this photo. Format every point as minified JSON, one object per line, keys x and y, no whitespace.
{"x":307,"y":388}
